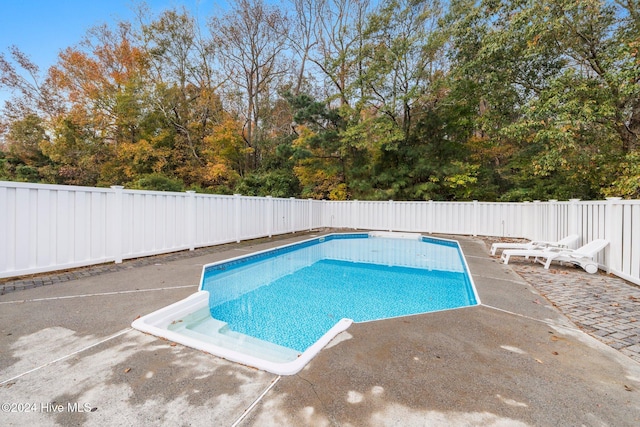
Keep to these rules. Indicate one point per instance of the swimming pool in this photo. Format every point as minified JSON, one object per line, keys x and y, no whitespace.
{"x":276,"y":309}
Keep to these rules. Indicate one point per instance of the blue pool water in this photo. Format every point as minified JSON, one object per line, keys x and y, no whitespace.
{"x":292,"y":296}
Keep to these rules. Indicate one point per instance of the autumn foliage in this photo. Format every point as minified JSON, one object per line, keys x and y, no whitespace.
{"x":340,"y":99}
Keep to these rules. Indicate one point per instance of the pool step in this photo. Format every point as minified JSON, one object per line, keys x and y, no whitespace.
{"x":200,"y":325}
{"x":199,"y":320}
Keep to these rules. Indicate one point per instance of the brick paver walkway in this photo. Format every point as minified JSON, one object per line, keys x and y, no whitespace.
{"x":604,"y":306}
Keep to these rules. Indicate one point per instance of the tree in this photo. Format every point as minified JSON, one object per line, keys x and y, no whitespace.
{"x":303,"y":37}
{"x":26,"y":117}
{"x":251,"y":39}
{"x":547,"y":80}
{"x":582,"y":119}
{"x":402,"y":58}
{"x":340,"y":38}
{"x":320,"y":163}
{"x":32,"y":91}
{"x":403,"y":78}
{"x":401,"y":99}
{"x":24,"y":159}
{"x":102,"y":79}
{"x":183,"y":90}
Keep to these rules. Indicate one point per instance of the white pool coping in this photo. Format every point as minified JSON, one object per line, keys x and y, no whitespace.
{"x":157,"y":324}
{"x":244,"y":350}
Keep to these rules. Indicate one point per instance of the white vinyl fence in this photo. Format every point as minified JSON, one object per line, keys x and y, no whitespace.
{"x":52,"y":227}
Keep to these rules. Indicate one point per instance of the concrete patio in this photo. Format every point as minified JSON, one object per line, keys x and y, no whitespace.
{"x":68,"y":356}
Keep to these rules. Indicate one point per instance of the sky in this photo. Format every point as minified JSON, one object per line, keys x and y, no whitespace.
{"x":43,"y":28}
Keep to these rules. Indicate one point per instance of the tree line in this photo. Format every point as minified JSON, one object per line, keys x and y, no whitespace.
{"x":499,"y":100}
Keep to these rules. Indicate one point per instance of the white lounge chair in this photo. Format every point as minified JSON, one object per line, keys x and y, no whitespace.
{"x":584,"y":256}
{"x":536,"y":244}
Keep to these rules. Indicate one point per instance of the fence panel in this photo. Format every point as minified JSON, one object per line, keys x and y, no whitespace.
{"x":368,"y":214}
{"x":317,"y":215}
{"x":280,"y":216}
{"x":300,"y":214}
{"x":220,"y":218}
{"x":251,"y":220}
{"x":154,"y":223}
{"x":45,"y":227}
{"x":592,"y":220}
{"x":501,"y":219}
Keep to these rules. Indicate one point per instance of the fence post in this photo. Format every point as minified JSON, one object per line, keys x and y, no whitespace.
{"x":310,"y":203}
{"x":236,"y":212}
{"x":552,"y":224}
{"x":354,"y":214}
{"x":292,"y":204}
{"x":431,"y":218}
{"x":573,"y":226}
{"x":613,"y":233}
{"x":116,"y":218}
{"x":476,"y":214}
{"x":390,"y":214}
{"x":525,"y":226}
{"x":270,"y":216}
{"x":537,"y":221}
{"x":192,"y":220}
